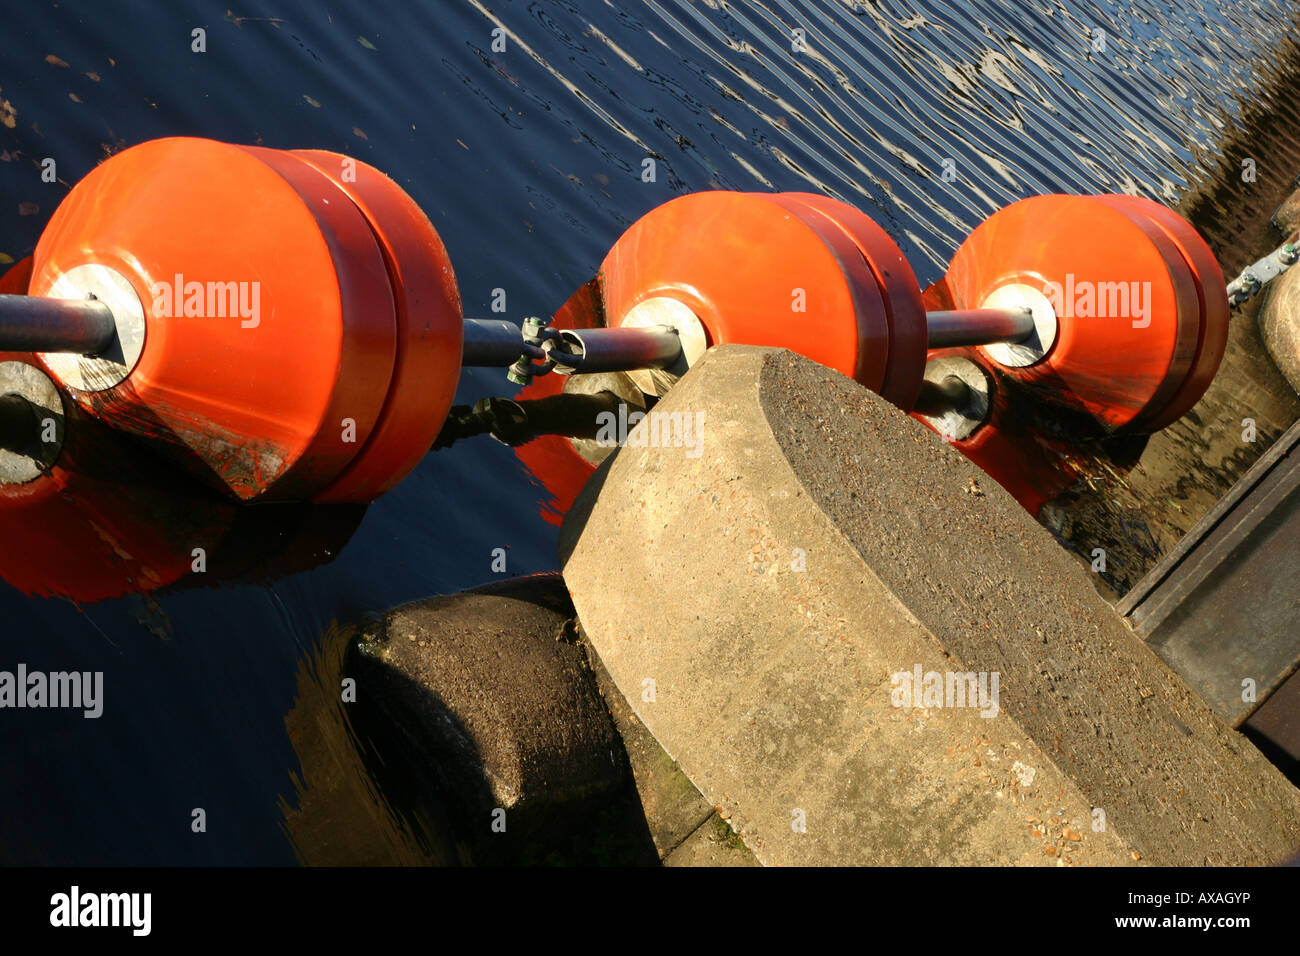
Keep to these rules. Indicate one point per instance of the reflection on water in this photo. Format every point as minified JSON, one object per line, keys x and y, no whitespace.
{"x":530,"y":160}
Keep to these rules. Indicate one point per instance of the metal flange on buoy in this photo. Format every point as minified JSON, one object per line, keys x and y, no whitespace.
{"x":286,"y":325}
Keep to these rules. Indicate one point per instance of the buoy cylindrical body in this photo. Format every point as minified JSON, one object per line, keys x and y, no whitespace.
{"x":299,"y":325}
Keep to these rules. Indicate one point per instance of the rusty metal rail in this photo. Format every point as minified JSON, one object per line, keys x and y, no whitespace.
{"x":1223,"y":606}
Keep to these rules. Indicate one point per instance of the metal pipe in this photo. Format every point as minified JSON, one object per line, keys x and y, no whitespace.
{"x":572,"y":414}
{"x":496,"y":343}
{"x":19,"y":426}
{"x":492,"y":343}
{"x":30,"y":323}
{"x":622,"y":349}
{"x":978,"y":327}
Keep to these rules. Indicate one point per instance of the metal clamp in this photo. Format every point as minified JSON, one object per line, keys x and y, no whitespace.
{"x":536,"y":335}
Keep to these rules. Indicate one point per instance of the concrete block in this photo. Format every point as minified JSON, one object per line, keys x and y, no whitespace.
{"x":771,"y":588}
{"x":487,"y":697}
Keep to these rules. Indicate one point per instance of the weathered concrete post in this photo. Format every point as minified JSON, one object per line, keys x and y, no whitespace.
{"x":485,"y":697}
{"x":1279,"y":314}
{"x":774,"y":602}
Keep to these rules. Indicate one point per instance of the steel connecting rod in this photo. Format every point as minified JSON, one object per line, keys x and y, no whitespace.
{"x":496,"y":342}
{"x":86,"y":327}
{"x":977,"y":327}
{"x":31,"y":323}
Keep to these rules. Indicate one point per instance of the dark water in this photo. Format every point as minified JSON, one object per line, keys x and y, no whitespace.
{"x":528,"y":161}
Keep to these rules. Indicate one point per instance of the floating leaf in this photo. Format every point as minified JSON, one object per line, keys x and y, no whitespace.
{"x":53,"y":60}
{"x":357,"y":131}
{"x":74,"y":97}
{"x":5,"y":259}
{"x":8,"y":115}
{"x":367,"y":44}
{"x":94,"y":77}
{"x":28,"y":209}
{"x":311,"y":101}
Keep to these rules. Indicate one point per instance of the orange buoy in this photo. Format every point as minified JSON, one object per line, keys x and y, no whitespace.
{"x":734,"y":263}
{"x":430,"y":329}
{"x":752,"y":273}
{"x":1124,"y":300}
{"x":266,"y":343}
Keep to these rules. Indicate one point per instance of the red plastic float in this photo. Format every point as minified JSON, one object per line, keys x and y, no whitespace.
{"x":746,"y":265}
{"x":252,"y":398}
{"x":1118,"y":372}
{"x":1032,"y":462}
{"x":735,"y":260}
